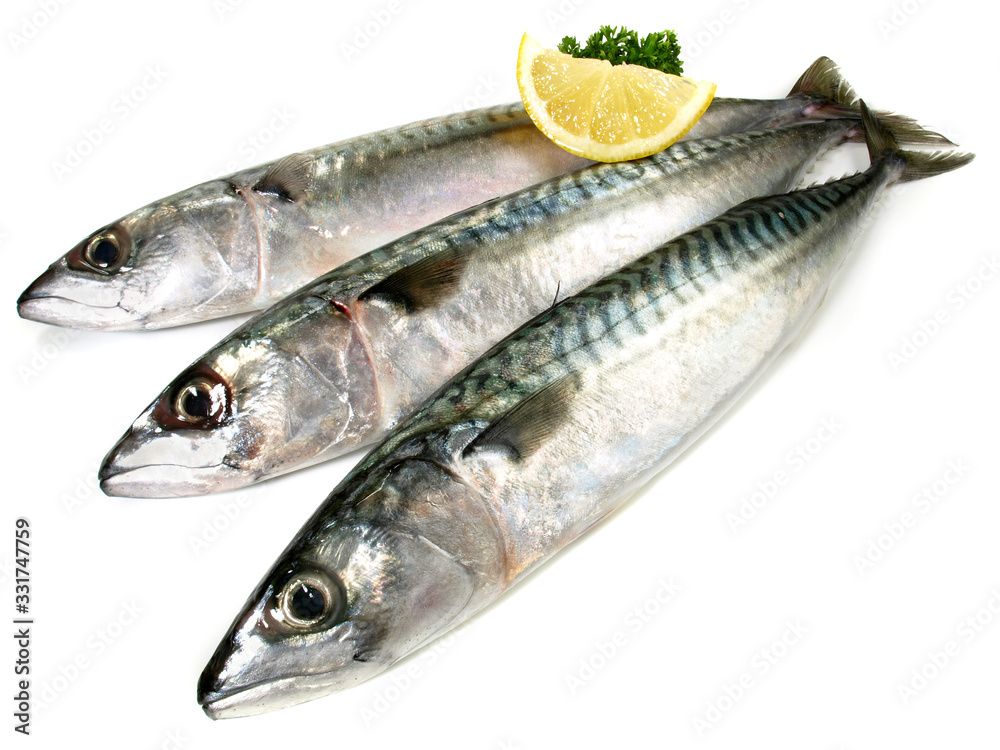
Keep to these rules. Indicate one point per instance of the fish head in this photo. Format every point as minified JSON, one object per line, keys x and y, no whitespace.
{"x":344,"y":602}
{"x":167,"y":263}
{"x":291,"y":387}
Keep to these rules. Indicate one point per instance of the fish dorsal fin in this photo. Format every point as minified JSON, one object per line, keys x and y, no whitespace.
{"x":528,"y":426}
{"x":287,"y":178}
{"x":423,"y":284}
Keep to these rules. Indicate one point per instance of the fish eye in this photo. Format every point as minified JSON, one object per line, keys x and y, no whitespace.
{"x":102,"y":251}
{"x":199,"y":400}
{"x":307,"y":599}
{"x":305,"y":603}
{"x":105,"y":253}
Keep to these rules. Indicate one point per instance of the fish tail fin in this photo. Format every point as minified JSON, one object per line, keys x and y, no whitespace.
{"x":913,"y":165}
{"x":903,"y":131}
{"x":823,"y":80}
{"x":830,"y":96}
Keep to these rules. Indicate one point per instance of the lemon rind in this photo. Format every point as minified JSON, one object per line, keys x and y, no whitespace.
{"x":588,"y":148}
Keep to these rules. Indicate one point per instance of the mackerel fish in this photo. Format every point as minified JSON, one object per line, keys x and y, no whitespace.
{"x":340,"y":362}
{"x":537,"y":441}
{"x":240,"y":243}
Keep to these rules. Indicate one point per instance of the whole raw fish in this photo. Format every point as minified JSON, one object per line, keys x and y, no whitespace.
{"x":242,"y":242}
{"x":540,"y":439}
{"x":340,"y":362}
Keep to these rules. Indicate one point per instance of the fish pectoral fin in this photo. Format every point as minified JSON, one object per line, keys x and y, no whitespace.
{"x":423,"y":284}
{"x":526,"y":427}
{"x":287,"y":178}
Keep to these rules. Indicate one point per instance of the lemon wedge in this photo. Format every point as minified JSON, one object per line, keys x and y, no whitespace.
{"x":606,"y":112}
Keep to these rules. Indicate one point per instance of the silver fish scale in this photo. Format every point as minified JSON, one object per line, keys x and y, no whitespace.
{"x":251,"y":238}
{"x":579,"y":332}
{"x":723,"y":116}
{"x":427,"y":133}
{"x":503,"y":215}
{"x":612,"y":338}
{"x":347,"y":357}
{"x":508,"y":214}
{"x":683,"y":332}
{"x":546,"y":434}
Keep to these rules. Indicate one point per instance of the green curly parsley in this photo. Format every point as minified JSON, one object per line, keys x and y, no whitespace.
{"x":659,"y":51}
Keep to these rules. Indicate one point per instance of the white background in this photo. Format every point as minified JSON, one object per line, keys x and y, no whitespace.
{"x":502,"y":682}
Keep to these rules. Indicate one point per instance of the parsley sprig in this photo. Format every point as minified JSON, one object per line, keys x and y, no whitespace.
{"x":659,"y":51}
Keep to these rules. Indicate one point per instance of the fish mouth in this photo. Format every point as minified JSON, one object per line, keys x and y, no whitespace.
{"x":49,"y":299}
{"x":276,"y":693}
{"x":245,"y":701}
{"x":166,"y":480}
{"x":223,"y":706}
{"x":69,"y":313}
{"x":135,"y":468}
